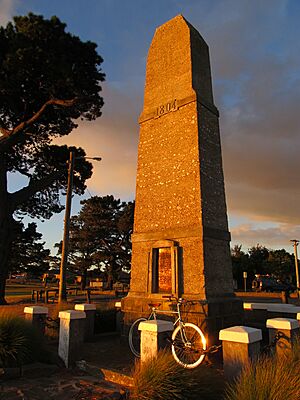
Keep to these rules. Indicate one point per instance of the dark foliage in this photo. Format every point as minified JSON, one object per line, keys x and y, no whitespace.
{"x":28,"y":253}
{"x":100,"y":236}
{"x":48,"y":79}
{"x":260,"y":260}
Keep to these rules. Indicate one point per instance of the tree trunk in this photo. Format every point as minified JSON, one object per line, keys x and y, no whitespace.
{"x":109,"y":281}
{"x":110,"y":274}
{"x":6,"y":230}
{"x":83,"y":279}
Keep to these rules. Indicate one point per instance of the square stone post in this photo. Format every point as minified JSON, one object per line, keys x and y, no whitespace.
{"x":37,"y":316}
{"x":119,"y":316}
{"x":289,"y":328}
{"x":90,"y":312}
{"x":240,"y":344}
{"x":153,"y":337}
{"x":71,"y":334}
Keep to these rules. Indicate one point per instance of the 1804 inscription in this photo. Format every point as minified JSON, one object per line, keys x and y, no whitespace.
{"x":166,"y":108}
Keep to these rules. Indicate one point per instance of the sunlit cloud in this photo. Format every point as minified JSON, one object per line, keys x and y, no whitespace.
{"x":114,"y":137}
{"x":276,"y":236}
{"x":255,"y":58}
{"x":257,"y":91}
{"x":7,"y":8}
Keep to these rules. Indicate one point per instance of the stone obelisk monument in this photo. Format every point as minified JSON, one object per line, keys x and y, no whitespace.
{"x":180,"y":243}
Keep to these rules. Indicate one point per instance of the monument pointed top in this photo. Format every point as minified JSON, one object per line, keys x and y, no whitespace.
{"x":175,"y":19}
{"x":179,"y":19}
{"x":178,"y":65}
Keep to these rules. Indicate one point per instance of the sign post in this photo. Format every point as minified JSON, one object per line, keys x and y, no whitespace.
{"x":245,"y":280}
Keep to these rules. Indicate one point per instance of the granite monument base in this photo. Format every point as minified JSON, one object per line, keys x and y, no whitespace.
{"x":210,"y":315}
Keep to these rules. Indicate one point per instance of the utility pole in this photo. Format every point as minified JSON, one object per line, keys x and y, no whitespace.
{"x":295,"y":244}
{"x":62,"y":295}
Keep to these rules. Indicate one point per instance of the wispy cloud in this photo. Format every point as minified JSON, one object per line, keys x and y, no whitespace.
{"x":255,"y":58}
{"x":114,"y":137}
{"x":7,"y":8}
{"x":276,"y":236}
{"x":257,"y":82}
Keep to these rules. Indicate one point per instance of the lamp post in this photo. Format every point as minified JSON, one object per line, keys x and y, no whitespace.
{"x":295,"y":244}
{"x":62,"y":293}
{"x":245,"y":280}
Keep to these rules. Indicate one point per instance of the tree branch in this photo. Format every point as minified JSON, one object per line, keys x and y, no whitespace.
{"x":23,"y":172}
{"x":30,"y":121}
{"x":10,"y":136}
{"x":34,"y":186}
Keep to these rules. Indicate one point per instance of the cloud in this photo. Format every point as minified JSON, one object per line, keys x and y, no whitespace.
{"x":276,"y":236}
{"x":256,"y":86}
{"x":255,"y":70}
{"x":255,"y":58}
{"x":7,"y":8}
{"x":114,"y":137}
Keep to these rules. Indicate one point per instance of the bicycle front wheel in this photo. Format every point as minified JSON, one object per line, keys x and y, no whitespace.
{"x":134,"y":337}
{"x":188,"y":344}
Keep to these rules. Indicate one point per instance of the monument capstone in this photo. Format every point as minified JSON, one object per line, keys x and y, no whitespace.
{"x":180,"y":243}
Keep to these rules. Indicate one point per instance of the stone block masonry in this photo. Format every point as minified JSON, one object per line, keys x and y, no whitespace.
{"x":180,"y":243}
{"x":37,"y":316}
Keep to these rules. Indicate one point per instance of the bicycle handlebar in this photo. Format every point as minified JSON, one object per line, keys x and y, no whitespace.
{"x":180,"y":300}
{"x":170,"y":297}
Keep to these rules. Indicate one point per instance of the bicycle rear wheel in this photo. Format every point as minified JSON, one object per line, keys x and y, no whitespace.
{"x":134,"y":337}
{"x":188,"y":344}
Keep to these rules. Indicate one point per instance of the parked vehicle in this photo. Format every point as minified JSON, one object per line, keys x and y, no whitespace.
{"x":266,"y":283}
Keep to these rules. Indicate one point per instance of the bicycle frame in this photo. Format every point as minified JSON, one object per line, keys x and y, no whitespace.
{"x":188,"y":343}
{"x":179,"y":321}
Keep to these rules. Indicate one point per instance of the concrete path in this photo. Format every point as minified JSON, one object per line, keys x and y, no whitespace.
{"x":105,"y":361}
{"x":41,"y":382}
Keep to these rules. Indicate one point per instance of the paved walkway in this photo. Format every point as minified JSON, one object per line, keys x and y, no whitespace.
{"x":61,"y":385}
{"x":92,"y":381}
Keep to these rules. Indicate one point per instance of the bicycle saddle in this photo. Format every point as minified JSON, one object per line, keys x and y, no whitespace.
{"x":154,"y":305}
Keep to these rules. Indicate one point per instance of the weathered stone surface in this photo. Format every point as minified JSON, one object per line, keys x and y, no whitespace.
{"x":154,"y":336}
{"x":71,"y":335}
{"x":90,"y":313}
{"x":180,"y":194}
{"x":240,"y":346}
{"x":37,"y":316}
{"x":289,"y":330}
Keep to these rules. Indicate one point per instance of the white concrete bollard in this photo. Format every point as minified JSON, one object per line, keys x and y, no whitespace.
{"x":288,"y":328}
{"x":71,"y":334}
{"x":90,"y":312}
{"x":153,"y":337}
{"x":240,"y":344}
{"x":37,"y":316}
{"x":119,"y":316}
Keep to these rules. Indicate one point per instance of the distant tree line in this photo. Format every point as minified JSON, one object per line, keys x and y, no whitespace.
{"x":263,"y":261}
{"x":100,"y":238}
{"x":28,"y":252}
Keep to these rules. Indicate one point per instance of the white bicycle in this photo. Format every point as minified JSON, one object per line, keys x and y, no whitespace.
{"x":188,"y":341}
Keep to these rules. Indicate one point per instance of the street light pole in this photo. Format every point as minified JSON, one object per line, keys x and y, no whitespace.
{"x":62,"y":296}
{"x":62,"y":293}
{"x":295,"y":244}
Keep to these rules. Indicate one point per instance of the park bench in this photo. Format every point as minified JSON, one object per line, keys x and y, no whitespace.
{"x":44,"y":295}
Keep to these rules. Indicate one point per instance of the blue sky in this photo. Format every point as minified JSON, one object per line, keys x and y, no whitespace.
{"x":255,"y":57}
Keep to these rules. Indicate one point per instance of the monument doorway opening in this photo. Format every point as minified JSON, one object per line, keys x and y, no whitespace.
{"x":163,"y":268}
